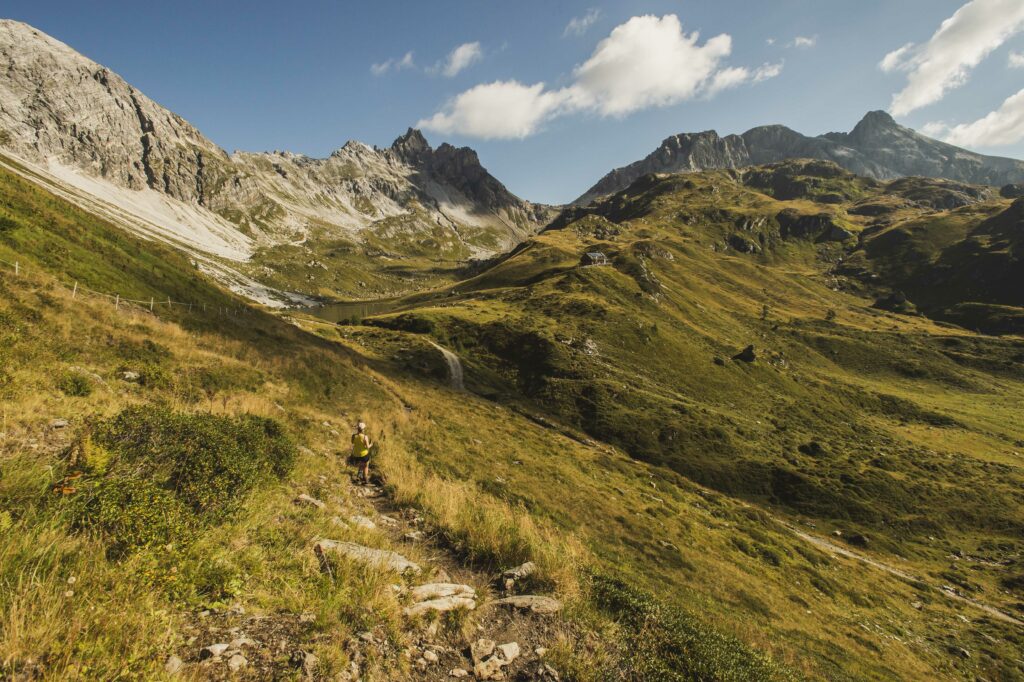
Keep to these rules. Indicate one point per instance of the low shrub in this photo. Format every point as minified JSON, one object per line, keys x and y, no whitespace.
{"x":160,"y":473}
{"x":75,"y":385}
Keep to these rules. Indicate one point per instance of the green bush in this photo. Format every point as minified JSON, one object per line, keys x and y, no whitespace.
{"x":132,"y":511}
{"x":170,"y":472}
{"x":75,"y":385}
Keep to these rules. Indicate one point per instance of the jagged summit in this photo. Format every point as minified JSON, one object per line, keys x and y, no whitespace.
{"x":87,"y":127}
{"x":877,"y":147}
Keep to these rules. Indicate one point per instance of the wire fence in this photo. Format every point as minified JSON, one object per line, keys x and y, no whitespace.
{"x":153,"y":305}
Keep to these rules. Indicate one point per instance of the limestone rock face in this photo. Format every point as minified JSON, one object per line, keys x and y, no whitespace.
{"x":877,"y":147}
{"x":72,"y":116}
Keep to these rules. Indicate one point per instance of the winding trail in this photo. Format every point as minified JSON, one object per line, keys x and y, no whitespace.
{"x":822,"y":543}
{"x":455,"y":372}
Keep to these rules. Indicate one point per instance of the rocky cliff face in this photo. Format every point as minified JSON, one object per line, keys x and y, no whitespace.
{"x":64,"y":112}
{"x":877,"y":147}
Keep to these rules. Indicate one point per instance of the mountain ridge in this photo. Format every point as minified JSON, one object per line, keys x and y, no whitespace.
{"x":876,"y":147}
{"x":85,"y":124}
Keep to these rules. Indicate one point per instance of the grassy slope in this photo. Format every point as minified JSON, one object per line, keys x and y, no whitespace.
{"x":73,"y":609}
{"x":917,"y":423}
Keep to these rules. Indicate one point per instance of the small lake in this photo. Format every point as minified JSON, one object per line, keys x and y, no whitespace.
{"x":346,"y":310}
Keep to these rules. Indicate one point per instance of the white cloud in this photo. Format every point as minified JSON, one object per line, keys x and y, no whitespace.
{"x":645,"y":62}
{"x":769,"y":41}
{"x":459,"y":59}
{"x":577,"y":26}
{"x":503,"y":109}
{"x":961,"y":42}
{"x":804,"y":42}
{"x":382,"y":68}
{"x":1003,"y":126}
{"x":1016,"y":60}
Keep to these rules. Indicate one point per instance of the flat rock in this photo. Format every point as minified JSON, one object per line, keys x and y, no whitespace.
{"x":481,"y":649}
{"x":440,"y":605}
{"x":534,"y":603}
{"x":363,"y":522}
{"x":459,"y":672}
{"x":237,"y":662}
{"x":309,"y":501}
{"x":212,"y":651}
{"x":377,"y":558}
{"x":435,"y":590}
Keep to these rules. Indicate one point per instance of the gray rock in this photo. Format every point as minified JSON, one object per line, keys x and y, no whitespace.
{"x":440,"y":605}
{"x":481,"y":649}
{"x":130,"y":376}
{"x":430,"y":656}
{"x":535,"y":603}
{"x":173,"y":665}
{"x":375,"y":558}
{"x":436,"y":590}
{"x":212,"y":651}
{"x":459,"y":672}
{"x":237,"y":662}
{"x":309,"y":501}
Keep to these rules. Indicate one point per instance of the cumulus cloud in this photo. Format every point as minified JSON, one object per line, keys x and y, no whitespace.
{"x":577,"y":26}
{"x":1003,"y":126}
{"x":1016,"y":60}
{"x":961,"y":42}
{"x":804,"y":42}
{"x":503,"y":109}
{"x":645,"y":62}
{"x":404,"y":62}
{"x":459,"y":59}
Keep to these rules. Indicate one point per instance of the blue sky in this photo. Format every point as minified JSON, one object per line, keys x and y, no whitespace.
{"x":300,"y":76}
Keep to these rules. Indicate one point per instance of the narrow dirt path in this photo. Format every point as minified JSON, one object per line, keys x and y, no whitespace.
{"x":822,"y":543}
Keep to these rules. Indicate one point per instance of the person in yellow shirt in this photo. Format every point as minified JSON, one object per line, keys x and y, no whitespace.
{"x":361,"y":446}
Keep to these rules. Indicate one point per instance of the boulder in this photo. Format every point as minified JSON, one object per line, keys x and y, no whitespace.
{"x":130,"y":376}
{"x":535,"y":603}
{"x":481,"y":649}
{"x":440,"y":605}
{"x":746,"y":355}
{"x":237,"y":662}
{"x":436,"y":590}
{"x":309,"y":501}
{"x":490,"y":668}
{"x":376,"y":558}
{"x":212,"y":651}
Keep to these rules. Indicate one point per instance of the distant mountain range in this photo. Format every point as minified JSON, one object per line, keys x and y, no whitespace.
{"x":82,"y":125}
{"x":877,"y":147}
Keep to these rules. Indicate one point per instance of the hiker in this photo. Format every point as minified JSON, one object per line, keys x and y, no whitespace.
{"x":361,"y":451}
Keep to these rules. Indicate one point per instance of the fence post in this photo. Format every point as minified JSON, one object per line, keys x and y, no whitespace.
{"x":17,"y":268}
{"x":74,"y":292}
{"x":117,"y":302}
{"x":150,"y":304}
{"x":168,"y":302}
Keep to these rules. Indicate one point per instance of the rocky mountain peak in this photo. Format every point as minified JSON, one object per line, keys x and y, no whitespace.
{"x":875,"y":124}
{"x":411,"y":147}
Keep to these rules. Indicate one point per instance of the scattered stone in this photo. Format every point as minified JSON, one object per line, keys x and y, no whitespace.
{"x":430,"y":656}
{"x":436,"y":590}
{"x":917,"y":605}
{"x":959,"y":651}
{"x":535,"y":603}
{"x":746,"y":355}
{"x":414,"y":536}
{"x":378,"y":558}
{"x":459,"y":672}
{"x":59,"y":424}
{"x":130,"y":376}
{"x":367,"y":637}
{"x":173,"y":665}
{"x":363,"y":522}
{"x":509,"y":652}
{"x":387,"y":520}
{"x":241,"y":642}
{"x":305,"y":660}
{"x":540,"y":651}
{"x":441,"y":605}
{"x":719,"y":361}
{"x":237,"y":662}
{"x":309,"y":501}
{"x":481,"y":649}
{"x":212,"y":651}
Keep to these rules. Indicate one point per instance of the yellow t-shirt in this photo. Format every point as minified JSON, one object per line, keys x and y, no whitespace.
{"x":359,"y":446}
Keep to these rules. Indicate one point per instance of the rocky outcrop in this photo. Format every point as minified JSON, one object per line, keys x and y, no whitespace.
{"x":877,"y":147}
{"x":62,"y":111}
